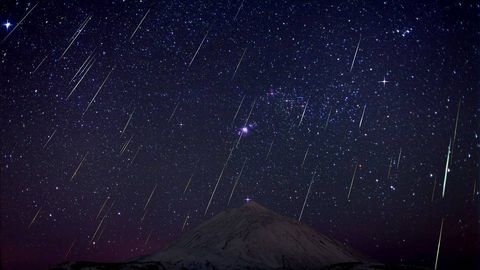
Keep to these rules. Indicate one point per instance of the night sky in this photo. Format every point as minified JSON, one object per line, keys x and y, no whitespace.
{"x":119,"y":119}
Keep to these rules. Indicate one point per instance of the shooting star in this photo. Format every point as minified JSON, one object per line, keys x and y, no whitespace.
{"x":70,"y":248}
{"x":101,"y":208}
{"x":399,"y":157}
{"x":474,"y":189}
{"x":236,"y":182}
{"x":305,"y":157}
{"x":75,"y":35}
{"x":128,"y":121}
{"x":148,"y":237}
{"x":308,"y":193}
{"x":19,"y":23}
{"x":198,"y":49}
{"x":101,"y":222}
{"x":238,"y":109}
{"x":351,"y":183}
{"x":185,"y":222}
{"x":238,"y":11}
{"x":34,"y":218}
{"x":446,"y":168}
{"x":81,"y":78}
{"x":356,"y":51}
{"x":173,"y":113}
{"x":434,"y":186}
{"x":269,"y":149}
{"x":361,"y":119}
{"x":303,"y":114}
{"x":138,"y":26}
{"x":98,"y":91}
{"x":78,"y":167}
{"x":389,"y":168}
{"x":41,"y":62}
{"x":191,"y":176}
{"x":135,"y":156}
{"x":188,"y":183}
{"x":238,"y":65}
{"x":438,"y":245}
{"x":83,"y":66}
{"x":328,"y":118}
{"x":49,"y":138}
{"x":150,"y":197}
{"x":456,"y":122}
{"x":125,"y":145}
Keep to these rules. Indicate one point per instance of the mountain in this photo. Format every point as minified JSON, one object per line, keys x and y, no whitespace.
{"x":253,"y":236}
{"x":248,"y":237}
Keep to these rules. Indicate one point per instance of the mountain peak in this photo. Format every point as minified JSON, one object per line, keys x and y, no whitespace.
{"x":253,"y":236}
{"x":255,"y":205}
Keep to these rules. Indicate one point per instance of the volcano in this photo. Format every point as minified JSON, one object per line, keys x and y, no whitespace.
{"x":248,"y":237}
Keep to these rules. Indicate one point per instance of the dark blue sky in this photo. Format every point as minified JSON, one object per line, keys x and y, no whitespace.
{"x":179,"y":71}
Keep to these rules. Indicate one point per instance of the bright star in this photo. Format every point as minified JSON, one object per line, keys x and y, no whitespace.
{"x":247,"y":199}
{"x":7,"y":25}
{"x":384,"y":81}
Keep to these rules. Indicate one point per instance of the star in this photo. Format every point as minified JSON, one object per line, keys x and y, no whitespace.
{"x":7,"y":25}
{"x":383,"y":81}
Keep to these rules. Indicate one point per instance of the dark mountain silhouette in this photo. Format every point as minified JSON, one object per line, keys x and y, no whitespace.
{"x":248,"y":237}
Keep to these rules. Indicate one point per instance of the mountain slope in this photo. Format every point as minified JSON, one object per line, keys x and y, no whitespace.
{"x":253,"y":236}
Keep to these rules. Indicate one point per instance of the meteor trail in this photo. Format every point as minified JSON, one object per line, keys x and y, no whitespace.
{"x":328,"y":118}
{"x":434,"y":185}
{"x":269,"y":149}
{"x":125,"y":145}
{"x":19,"y":23}
{"x":236,"y":182}
{"x":188,"y":183}
{"x":75,"y":35}
{"x":190,"y":179}
{"x":101,"y":208}
{"x":138,"y":26}
{"x":238,"y":109}
{"x":303,"y":114}
{"x":456,"y":122}
{"x":306,"y":196}
{"x":128,"y":122}
{"x":49,"y":138}
{"x":41,"y":62}
{"x":185,"y":222}
{"x":238,"y":65}
{"x":78,"y":167}
{"x":135,"y":156}
{"x":389,"y":168}
{"x":356,"y":51}
{"x":446,"y":168}
{"x":34,"y":218}
{"x":148,"y":237}
{"x":81,"y":78}
{"x":361,"y":119}
{"x":238,"y":11}
{"x":198,"y":49}
{"x":84,"y":64}
{"x":70,"y":248}
{"x":305,"y":157}
{"x":438,"y":245}
{"x":149,"y":198}
{"x":98,"y":91}
{"x":174,"y":110}
{"x":351,"y":184}
{"x":399,"y":157}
